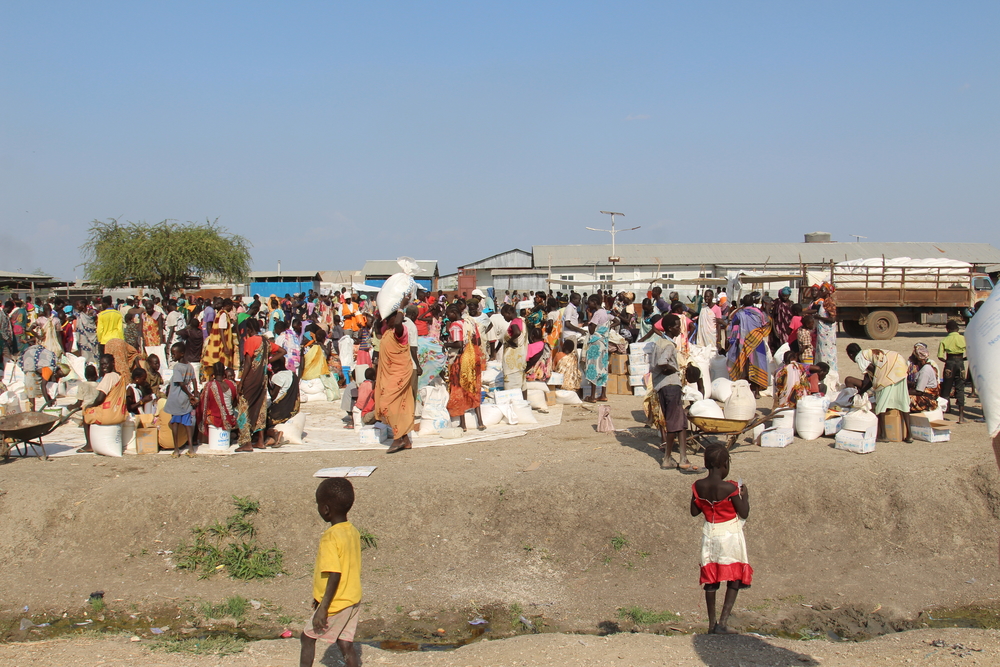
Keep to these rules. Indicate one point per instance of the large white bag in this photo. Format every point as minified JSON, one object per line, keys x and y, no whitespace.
{"x":567,"y":397}
{"x":398,"y":288}
{"x":292,"y":429}
{"x":741,"y":404}
{"x":810,"y":417}
{"x":860,"y":418}
{"x":536,"y":399}
{"x":722,"y":389}
{"x":434,"y":398}
{"x":982,"y":338}
{"x":536,"y":386}
{"x":718,"y":368}
{"x":492,"y":415}
{"x":702,"y":358}
{"x":706,"y":408}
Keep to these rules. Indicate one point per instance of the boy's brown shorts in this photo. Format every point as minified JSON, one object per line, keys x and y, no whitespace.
{"x":341,"y":625}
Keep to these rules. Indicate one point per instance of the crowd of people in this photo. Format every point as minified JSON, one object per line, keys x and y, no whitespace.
{"x":233,"y":362}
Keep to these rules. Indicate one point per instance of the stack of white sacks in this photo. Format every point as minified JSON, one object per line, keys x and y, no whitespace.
{"x":638,"y":366}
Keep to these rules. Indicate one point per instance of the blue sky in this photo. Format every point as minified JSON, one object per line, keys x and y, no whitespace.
{"x":328,"y":133}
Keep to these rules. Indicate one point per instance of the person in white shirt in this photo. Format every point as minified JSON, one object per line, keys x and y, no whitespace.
{"x":572,"y":330}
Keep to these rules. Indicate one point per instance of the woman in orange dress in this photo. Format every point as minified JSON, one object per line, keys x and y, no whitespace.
{"x":394,"y":401}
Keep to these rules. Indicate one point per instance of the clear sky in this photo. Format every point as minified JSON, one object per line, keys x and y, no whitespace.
{"x":329,"y":133}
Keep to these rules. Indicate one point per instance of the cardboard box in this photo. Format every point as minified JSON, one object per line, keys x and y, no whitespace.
{"x":922,"y":427}
{"x":555,"y":380}
{"x":638,"y":369}
{"x":147,"y":440}
{"x":893,"y":426}
{"x":550,"y":398}
{"x":859,"y":442}
{"x":832,"y":425}
{"x":645,"y":348}
{"x":624,"y":388}
{"x":618,"y":364}
{"x":776,"y":437}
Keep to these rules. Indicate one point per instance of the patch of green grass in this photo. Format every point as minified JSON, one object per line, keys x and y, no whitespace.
{"x":619,"y":542}
{"x":641,"y":616}
{"x":214,"y":645}
{"x":516,"y":610}
{"x":528,"y":548}
{"x":234,"y":606}
{"x":644,"y":555}
{"x":607,"y":560}
{"x":368,"y":540}
{"x":231,"y":545}
{"x":285,"y":619}
{"x":797,"y":599}
{"x":399,"y":609}
{"x":97,"y":604}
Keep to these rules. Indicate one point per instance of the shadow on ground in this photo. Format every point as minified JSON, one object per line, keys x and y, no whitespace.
{"x":745,"y":651}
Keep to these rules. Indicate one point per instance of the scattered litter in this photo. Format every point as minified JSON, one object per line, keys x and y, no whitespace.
{"x":971,"y":581}
{"x":26,"y":623}
{"x":97,"y":595}
{"x":346,"y":471}
{"x":87,"y":622}
{"x":25,"y":610}
{"x":164,"y":552}
{"x":219,"y":567}
{"x":534,"y":466}
{"x":440,"y":632}
{"x":478,"y":621}
{"x":583,"y":643}
{"x":526,"y":623}
{"x":876,"y":608}
{"x":133,"y":638}
{"x":286,"y":634}
{"x":42,"y":625}
{"x":159,"y":631}
{"x":807,"y":605}
{"x":255,"y":604}
{"x":959,"y":650}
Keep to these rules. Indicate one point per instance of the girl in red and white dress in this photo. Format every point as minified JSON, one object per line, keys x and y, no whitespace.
{"x":726,"y":505}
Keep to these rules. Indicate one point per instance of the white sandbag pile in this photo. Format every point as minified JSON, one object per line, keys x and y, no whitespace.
{"x":741,"y":404}
{"x":398,"y":288}
{"x":706,"y":408}
{"x":810,"y":417}
{"x":722,"y":389}
{"x":311,"y":390}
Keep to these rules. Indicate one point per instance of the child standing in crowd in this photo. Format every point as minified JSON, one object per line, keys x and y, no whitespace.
{"x":182,"y":396}
{"x":336,"y":575}
{"x":951,"y":350}
{"x":726,"y":505}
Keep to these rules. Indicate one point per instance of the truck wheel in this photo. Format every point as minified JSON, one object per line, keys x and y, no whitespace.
{"x":853,"y":329}
{"x":881,"y":325}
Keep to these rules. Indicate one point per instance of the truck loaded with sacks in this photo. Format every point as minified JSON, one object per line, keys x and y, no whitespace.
{"x":875,"y":295}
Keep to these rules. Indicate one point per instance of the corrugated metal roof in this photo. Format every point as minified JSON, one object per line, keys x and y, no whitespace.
{"x":515,"y":258}
{"x":755,"y":254}
{"x":285,"y":274}
{"x":388,"y":267}
{"x":12,"y":275}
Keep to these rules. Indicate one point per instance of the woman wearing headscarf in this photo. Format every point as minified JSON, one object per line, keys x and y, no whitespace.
{"x":781,"y":318}
{"x":885,"y":372}
{"x":747,"y":353}
{"x":251,"y":391}
{"x":217,"y":405}
{"x":221,"y":343}
{"x":394,"y":401}
{"x":515,"y":348}
{"x":825,"y":313}
{"x":596,"y":370}
{"x":126,"y":357}
{"x":922,"y":380}
{"x":465,"y":375}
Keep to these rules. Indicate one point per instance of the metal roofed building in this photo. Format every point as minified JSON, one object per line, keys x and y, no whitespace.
{"x":377,"y":271}
{"x":509,"y":270}
{"x":283,"y":282}
{"x":587,"y":266}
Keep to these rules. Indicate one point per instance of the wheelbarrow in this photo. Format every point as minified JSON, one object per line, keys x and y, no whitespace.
{"x":28,"y":428}
{"x":704,"y":427}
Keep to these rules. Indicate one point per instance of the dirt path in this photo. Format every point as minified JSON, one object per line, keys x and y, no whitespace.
{"x":854,"y":544}
{"x":958,"y":647}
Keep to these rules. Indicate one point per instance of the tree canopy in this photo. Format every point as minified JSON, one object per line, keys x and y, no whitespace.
{"x":163,"y":255}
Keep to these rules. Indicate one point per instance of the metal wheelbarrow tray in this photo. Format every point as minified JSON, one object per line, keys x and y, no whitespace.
{"x":28,"y":428}
{"x":731,"y":428}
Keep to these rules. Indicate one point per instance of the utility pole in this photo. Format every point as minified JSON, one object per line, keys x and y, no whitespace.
{"x":614,"y":258}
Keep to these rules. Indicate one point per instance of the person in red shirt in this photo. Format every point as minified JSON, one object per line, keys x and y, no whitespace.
{"x":423,"y":319}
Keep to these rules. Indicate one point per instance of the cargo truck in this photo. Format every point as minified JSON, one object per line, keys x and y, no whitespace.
{"x":875,"y":295}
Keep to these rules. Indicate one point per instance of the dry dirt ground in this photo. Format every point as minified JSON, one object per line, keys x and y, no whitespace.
{"x":857,"y":545}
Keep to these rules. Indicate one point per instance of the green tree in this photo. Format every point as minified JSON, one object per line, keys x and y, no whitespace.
{"x":164,"y":254}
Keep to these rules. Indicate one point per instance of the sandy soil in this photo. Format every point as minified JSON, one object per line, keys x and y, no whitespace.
{"x":859,"y":545}
{"x":932,"y":648}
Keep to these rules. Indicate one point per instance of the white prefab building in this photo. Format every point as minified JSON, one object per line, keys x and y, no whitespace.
{"x":584,"y":268}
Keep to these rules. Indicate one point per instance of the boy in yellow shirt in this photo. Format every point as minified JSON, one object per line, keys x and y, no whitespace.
{"x":336,"y":575}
